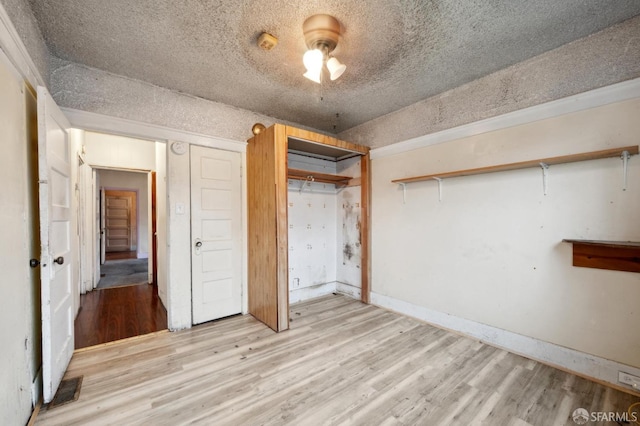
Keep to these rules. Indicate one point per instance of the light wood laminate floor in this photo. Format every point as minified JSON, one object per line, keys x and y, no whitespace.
{"x":342,"y":362}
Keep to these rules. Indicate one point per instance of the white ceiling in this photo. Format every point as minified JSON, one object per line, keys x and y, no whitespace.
{"x":396,"y":52}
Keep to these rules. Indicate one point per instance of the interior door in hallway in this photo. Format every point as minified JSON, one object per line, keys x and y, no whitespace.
{"x":119,"y":220}
{"x":56,"y":256}
{"x":216,"y":233}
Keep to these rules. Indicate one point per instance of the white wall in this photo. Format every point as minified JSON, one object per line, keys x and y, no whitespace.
{"x":179,"y":240}
{"x":491,"y":250}
{"x":161,"y":219}
{"x":86,"y":216}
{"x":110,"y":151}
{"x":137,"y":182}
{"x":75,"y":144}
{"x":19,"y":303}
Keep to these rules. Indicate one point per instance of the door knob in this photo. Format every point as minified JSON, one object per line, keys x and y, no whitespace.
{"x":197,"y":245}
{"x":59,"y":260}
{"x":34,"y":263}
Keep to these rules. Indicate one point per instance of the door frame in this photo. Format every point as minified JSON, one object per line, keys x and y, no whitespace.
{"x":98,"y":212}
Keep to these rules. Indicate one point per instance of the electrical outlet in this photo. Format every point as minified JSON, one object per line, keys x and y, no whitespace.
{"x":629,"y":379}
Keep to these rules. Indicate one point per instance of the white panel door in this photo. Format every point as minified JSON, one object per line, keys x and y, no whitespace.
{"x":54,"y":174}
{"x":216,"y":233}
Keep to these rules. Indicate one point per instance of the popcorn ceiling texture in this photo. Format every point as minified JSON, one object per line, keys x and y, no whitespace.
{"x":604,"y":58}
{"x":26,"y":25}
{"x":397,"y":52}
{"x":608,"y":57}
{"x":88,"y":89}
{"x":423,"y":53}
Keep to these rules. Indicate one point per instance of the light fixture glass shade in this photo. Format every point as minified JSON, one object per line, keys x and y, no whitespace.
{"x":313,"y":75}
{"x":312,"y":61}
{"x":335,"y":68}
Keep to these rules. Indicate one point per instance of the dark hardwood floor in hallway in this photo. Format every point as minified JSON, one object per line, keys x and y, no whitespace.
{"x":119,"y":255}
{"x":118,"y":313}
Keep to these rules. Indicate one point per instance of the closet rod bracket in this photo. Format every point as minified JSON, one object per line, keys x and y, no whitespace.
{"x":439,"y":187}
{"x":404,"y":192}
{"x":307,"y":181}
{"x":545,"y":176}
{"x":625,"y":161}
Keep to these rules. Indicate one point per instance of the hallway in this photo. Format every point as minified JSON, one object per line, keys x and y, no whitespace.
{"x":118,"y":313}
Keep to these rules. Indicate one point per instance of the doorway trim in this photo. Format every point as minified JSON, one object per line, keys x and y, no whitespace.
{"x":178,"y":225}
{"x":99,"y":190}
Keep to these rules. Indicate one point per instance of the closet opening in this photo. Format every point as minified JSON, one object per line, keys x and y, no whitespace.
{"x":324,"y":220}
{"x":308,"y":233}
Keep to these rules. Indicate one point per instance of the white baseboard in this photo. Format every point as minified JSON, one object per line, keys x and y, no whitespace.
{"x":305,"y":293}
{"x":580,"y":363}
{"x":349,"y":290}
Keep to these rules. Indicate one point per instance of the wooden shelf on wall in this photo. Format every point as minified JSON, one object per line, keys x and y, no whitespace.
{"x":318,"y":177}
{"x":593,"y":155}
{"x":613,"y":255}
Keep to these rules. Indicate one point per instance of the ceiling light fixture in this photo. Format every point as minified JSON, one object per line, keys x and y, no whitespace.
{"x":321,"y":34}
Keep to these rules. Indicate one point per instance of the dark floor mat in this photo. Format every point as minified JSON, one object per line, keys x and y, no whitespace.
{"x":68,"y":391}
{"x":118,"y":273}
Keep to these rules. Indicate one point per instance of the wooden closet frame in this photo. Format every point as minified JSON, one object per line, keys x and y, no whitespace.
{"x":267,"y":182}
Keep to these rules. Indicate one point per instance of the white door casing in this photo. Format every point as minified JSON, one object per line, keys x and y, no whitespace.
{"x":216,"y":233}
{"x":54,"y":174}
{"x":103,"y":221}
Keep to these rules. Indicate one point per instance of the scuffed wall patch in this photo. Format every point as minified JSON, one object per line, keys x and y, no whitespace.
{"x":351,"y":240}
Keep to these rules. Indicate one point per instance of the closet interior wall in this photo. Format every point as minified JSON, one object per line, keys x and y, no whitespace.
{"x":324,"y":231}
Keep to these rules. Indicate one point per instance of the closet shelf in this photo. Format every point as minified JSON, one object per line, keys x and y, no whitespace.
{"x":613,"y":255}
{"x":298,"y":174}
{"x":607,"y":153}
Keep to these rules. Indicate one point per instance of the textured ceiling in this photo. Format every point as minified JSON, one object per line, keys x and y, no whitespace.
{"x":396,"y":52}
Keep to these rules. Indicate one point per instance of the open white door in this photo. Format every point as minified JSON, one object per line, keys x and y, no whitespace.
{"x":216,"y":232}
{"x":54,"y":174}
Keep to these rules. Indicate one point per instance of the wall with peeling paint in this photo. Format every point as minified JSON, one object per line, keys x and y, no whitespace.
{"x":349,"y":273}
{"x":324,"y":232}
